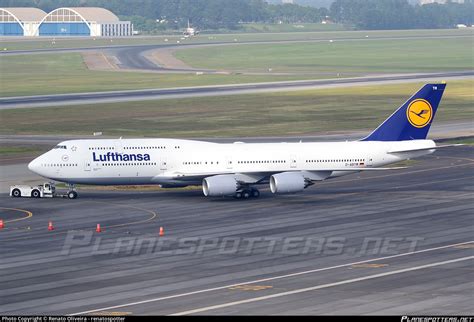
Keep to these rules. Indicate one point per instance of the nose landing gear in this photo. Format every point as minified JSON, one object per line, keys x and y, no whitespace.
{"x":71,"y":192}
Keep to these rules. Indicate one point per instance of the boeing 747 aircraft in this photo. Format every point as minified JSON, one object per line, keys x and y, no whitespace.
{"x":237,"y":169}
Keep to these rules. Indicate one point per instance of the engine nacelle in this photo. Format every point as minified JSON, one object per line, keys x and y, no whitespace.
{"x":220,"y":185}
{"x":287,"y":182}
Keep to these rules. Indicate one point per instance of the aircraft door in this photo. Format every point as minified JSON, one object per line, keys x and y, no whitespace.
{"x":293,"y":163}
{"x":118,"y":146}
{"x":97,"y":166}
{"x":369,"y":161}
{"x":87,"y":165}
{"x":228,"y":162}
{"x":163,"y":164}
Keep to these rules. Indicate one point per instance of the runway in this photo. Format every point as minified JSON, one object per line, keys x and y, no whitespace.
{"x":375,"y":243}
{"x":186,"y":92}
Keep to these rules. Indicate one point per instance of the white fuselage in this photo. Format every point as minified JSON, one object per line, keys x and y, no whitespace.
{"x":172,"y":162}
{"x":190,"y":31}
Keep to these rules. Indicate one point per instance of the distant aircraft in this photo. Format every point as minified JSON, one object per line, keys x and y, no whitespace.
{"x":237,"y":169}
{"x":190,"y":31}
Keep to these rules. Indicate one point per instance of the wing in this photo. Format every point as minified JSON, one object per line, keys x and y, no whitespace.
{"x":258,"y":177}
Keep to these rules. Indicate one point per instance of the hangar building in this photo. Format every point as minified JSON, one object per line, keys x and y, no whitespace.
{"x":80,"y":21}
{"x":19,"y":21}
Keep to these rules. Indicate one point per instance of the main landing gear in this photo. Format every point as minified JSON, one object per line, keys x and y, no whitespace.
{"x":247,"y":193}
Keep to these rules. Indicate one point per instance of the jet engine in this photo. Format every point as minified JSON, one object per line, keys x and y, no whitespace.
{"x":287,"y":182}
{"x":220,"y":185}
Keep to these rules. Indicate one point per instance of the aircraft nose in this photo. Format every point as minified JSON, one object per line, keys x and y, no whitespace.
{"x":34,"y":165}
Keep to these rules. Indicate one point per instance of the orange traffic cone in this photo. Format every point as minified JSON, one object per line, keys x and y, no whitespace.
{"x":98,"y":230}
{"x":1,"y":224}
{"x":162,"y":231}
{"x":50,"y":226}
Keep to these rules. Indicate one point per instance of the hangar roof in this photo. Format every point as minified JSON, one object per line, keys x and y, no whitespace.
{"x":87,"y":13}
{"x":22,"y":14}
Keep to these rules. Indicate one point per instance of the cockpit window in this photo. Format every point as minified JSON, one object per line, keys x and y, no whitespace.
{"x":60,"y":147}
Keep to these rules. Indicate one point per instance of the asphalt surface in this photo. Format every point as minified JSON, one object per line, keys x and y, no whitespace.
{"x":153,"y":94}
{"x":375,"y":243}
{"x":77,"y":50}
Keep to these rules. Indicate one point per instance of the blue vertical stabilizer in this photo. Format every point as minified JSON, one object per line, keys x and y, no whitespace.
{"x":413,"y":119}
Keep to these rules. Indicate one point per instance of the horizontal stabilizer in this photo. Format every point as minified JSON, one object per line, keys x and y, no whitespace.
{"x":425,"y":149}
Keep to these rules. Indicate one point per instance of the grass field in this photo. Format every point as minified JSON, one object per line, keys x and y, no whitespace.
{"x":413,"y":55}
{"x":276,"y":114}
{"x":294,"y":27}
{"x":8,"y":149}
{"x":8,"y":43}
{"x":67,"y":73}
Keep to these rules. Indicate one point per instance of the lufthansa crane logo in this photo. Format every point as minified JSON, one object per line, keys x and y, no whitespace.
{"x":419,"y":113}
